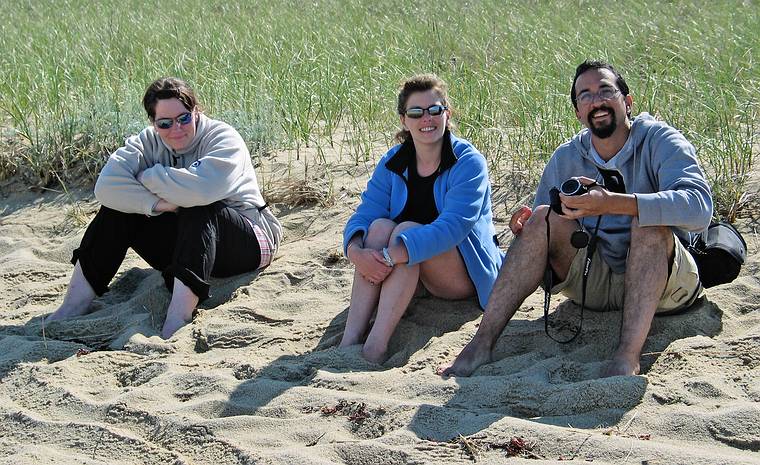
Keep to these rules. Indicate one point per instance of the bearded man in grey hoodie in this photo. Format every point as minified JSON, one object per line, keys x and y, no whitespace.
{"x":645,"y":192}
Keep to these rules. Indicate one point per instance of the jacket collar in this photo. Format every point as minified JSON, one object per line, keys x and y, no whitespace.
{"x":399,"y":162}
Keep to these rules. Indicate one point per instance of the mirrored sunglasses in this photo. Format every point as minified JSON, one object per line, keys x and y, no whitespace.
{"x":167,"y":123}
{"x":417,"y":112}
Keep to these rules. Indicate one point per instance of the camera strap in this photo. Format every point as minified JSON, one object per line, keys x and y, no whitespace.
{"x":549,"y":278}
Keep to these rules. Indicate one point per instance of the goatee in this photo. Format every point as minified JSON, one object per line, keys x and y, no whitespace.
{"x":606,"y":130}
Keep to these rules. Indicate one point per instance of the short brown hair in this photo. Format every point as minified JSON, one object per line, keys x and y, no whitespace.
{"x":420,"y":83}
{"x":166,"y":88}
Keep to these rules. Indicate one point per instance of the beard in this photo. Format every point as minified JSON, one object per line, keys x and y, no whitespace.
{"x":602,"y":131}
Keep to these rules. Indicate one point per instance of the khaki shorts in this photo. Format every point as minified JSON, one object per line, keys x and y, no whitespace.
{"x":606,"y":290}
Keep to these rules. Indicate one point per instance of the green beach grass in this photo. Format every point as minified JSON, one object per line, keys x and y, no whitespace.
{"x":323,"y":74}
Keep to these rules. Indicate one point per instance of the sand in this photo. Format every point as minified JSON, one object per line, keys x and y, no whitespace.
{"x":257,"y":377}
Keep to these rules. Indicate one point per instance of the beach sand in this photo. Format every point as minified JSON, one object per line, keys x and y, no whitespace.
{"x":257,"y":377}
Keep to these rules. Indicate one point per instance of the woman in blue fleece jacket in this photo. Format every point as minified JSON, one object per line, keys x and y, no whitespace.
{"x":425,"y":217}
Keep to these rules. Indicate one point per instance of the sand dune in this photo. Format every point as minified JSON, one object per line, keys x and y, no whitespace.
{"x":256,"y":378}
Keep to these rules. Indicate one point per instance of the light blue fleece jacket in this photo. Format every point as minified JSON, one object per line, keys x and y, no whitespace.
{"x":462,"y":194}
{"x":658,"y":165}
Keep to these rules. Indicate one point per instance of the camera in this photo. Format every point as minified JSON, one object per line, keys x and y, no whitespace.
{"x":570,"y":187}
{"x":573,"y":187}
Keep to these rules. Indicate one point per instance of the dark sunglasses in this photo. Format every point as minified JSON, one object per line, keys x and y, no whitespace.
{"x":167,"y":123}
{"x":417,"y":112}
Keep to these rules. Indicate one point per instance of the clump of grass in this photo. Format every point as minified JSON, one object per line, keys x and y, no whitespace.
{"x":292,"y":193}
{"x":729,"y":158}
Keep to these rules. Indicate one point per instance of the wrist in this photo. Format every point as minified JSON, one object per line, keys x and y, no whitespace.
{"x":348,"y":250}
{"x":387,"y":257}
{"x":625,"y":204}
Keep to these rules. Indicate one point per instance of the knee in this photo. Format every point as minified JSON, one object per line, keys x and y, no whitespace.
{"x":537,"y":218}
{"x":200,"y":213}
{"x":111,"y":214}
{"x":401,"y":227}
{"x":379,"y":233}
{"x":536,"y":224}
{"x":650,"y":236}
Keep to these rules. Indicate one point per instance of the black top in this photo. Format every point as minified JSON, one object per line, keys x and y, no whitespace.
{"x":420,"y":200}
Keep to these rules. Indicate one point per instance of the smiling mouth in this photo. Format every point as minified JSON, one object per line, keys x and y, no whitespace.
{"x":600,"y":113}
{"x":428,"y":129}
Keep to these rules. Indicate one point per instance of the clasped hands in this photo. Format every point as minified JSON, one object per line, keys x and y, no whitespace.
{"x":369,"y":263}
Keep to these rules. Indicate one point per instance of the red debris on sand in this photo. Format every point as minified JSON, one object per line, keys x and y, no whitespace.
{"x":360,"y":414}
{"x":83,"y":351}
{"x":327,"y":410}
{"x":356,"y":412}
{"x":517,"y":446}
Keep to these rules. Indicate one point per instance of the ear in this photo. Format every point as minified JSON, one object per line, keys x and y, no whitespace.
{"x":402,"y":119}
{"x":628,"y":104}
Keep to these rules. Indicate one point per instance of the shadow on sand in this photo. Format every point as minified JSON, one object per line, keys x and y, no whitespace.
{"x":135,"y":304}
{"x":532,"y":377}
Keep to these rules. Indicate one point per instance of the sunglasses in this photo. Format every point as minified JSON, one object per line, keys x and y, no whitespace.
{"x":167,"y":123}
{"x":417,"y":112}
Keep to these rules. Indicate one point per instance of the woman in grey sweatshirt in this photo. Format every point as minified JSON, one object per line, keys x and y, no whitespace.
{"x":183,"y":194}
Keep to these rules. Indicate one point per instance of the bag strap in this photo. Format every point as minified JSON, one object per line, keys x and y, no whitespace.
{"x":548,"y":278}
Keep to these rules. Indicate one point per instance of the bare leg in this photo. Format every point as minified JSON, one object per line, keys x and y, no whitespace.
{"x":395,"y":294}
{"x":446,"y":276}
{"x":519,"y":276}
{"x":365,"y":296}
{"x":78,"y":297}
{"x":646,"y":275}
{"x":181,"y":308}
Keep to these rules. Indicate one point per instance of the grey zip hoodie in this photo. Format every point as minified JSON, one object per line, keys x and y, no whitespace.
{"x":215,"y":166}
{"x":658,"y":165}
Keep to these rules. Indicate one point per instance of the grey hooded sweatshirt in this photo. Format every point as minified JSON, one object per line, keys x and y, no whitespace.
{"x":215,"y":166}
{"x":658,"y":165}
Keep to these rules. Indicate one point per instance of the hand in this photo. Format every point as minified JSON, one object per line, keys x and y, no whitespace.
{"x":593,"y":203}
{"x":598,"y":201}
{"x":519,"y":217}
{"x":369,"y":263}
{"x":165,"y":206}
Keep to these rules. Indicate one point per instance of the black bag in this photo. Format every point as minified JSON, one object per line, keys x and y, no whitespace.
{"x":719,"y":255}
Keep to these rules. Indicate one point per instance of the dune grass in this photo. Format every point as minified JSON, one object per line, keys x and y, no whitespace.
{"x":323,"y":74}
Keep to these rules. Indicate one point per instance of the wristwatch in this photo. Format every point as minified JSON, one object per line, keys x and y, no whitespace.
{"x":387,"y":258}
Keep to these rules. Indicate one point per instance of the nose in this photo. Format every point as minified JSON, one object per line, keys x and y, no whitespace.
{"x":596,"y":102}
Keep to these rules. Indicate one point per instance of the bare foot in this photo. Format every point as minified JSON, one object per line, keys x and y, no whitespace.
{"x":172,"y":324}
{"x":78,"y":297}
{"x":181,"y":308}
{"x":373,"y":354}
{"x":348,"y":341}
{"x":621,"y":366}
{"x":67,"y":311}
{"x":472,"y":356}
